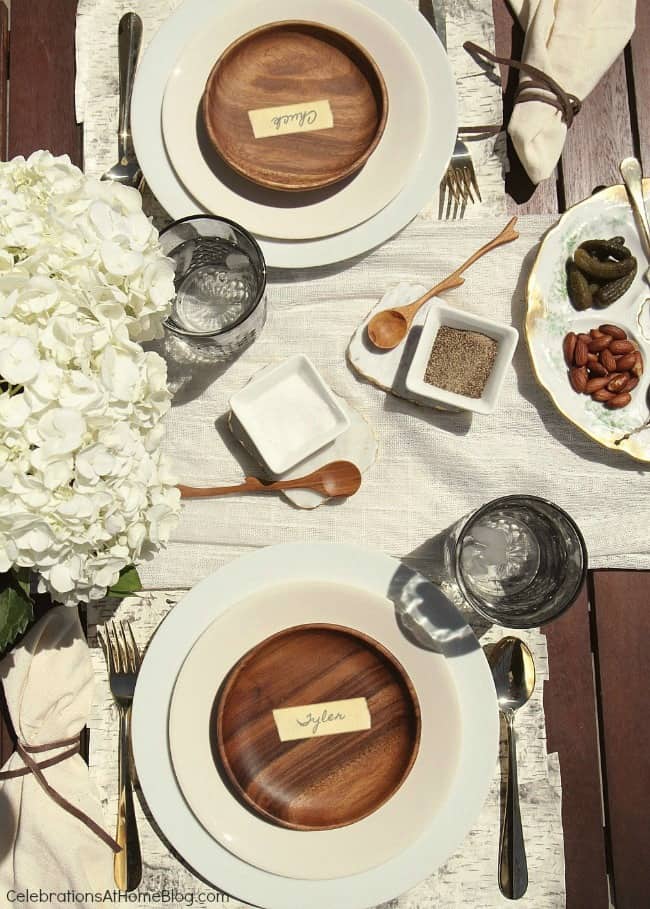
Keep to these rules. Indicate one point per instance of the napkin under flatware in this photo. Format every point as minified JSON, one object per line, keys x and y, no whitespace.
{"x":48,"y":682}
{"x":575,"y":42}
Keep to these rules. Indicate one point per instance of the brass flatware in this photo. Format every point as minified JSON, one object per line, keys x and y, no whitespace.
{"x":338,"y":478}
{"x":123,"y":662}
{"x":389,"y":327}
{"x":513,"y":671}
{"x":633,"y":179}
{"x":127,"y":170}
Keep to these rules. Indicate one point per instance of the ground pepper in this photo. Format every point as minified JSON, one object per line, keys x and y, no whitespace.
{"x":461,"y":361}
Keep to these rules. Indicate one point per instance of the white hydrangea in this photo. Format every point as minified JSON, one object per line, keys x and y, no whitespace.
{"x":84,"y":488}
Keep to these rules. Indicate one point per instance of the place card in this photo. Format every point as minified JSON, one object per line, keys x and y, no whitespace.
{"x":326,"y":718}
{"x":291,"y":118}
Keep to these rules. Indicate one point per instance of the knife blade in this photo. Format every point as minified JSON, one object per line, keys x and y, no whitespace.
{"x":434,"y":12}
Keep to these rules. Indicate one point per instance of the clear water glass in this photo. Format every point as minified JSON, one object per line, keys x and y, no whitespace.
{"x":519,"y":561}
{"x":220,"y":281}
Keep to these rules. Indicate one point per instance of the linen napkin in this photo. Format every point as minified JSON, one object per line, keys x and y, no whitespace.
{"x":575,"y":42}
{"x":48,"y":682}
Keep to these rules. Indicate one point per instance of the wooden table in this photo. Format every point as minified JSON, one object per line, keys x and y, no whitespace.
{"x":596,"y":702}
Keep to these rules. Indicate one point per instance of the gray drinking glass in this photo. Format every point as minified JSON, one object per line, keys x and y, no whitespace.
{"x":519,"y":560}
{"x":220,"y":282}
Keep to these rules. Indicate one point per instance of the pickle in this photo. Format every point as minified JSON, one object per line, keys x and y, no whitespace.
{"x":604,"y":249}
{"x":618,"y":241}
{"x":603,"y":271}
{"x":578,"y":287}
{"x":610,"y":292}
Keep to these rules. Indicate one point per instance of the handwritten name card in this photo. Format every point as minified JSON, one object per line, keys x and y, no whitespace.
{"x":326,"y":718}
{"x":292,"y":118}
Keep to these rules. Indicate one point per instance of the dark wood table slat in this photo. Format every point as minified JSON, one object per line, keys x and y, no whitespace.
{"x":4,"y":75}
{"x":640,"y":60}
{"x":571,"y":725}
{"x":41,"y":72}
{"x":622,"y":612}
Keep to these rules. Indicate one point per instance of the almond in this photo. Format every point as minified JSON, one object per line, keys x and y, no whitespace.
{"x":618,"y":401}
{"x":580,"y":354}
{"x":637,"y":369}
{"x":632,"y":383}
{"x":583,"y":337}
{"x":617,"y":382}
{"x":569,"y":346}
{"x":597,"y":333}
{"x":608,"y":361}
{"x":597,"y":369}
{"x":621,"y":347}
{"x":625,"y":362}
{"x":602,"y":395}
{"x":598,"y":344}
{"x":578,"y":378}
{"x":597,"y":383}
{"x":613,"y":331}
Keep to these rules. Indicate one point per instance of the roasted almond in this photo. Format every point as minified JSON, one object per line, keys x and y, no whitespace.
{"x":578,"y":378}
{"x":618,"y":401}
{"x":621,"y":347}
{"x":581,"y":353}
{"x":637,"y":369}
{"x":597,"y":369}
{"x":613,"y":331}
{"x":597,"y":333}
{"x":617,"y":382}
{"x":583,"y":337}
{"x":632,"y":383}
{"x":597,"y":383}
{"x":602,"y":395}
{"x":598,"y":344}
{"x":569,"y":346}
{"x":625,"y":362}
{"x":608,"y":361}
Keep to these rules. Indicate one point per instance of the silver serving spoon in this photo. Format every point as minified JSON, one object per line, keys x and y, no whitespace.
{"x":129,"y":38}
{"x":632,"y":177}
{"x":513,"y":671}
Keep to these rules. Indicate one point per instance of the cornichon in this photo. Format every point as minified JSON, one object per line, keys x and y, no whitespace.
{"x":579,"y":290}
{"x":604,"y":249}
{"x":603,"y":271}
{"x":611,"y":291}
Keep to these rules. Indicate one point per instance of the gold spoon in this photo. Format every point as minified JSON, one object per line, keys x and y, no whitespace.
{"x":389,"y":327}
{"x":339,"y":478}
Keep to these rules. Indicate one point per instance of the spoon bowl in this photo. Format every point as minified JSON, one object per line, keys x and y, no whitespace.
{"x":333,"y":480}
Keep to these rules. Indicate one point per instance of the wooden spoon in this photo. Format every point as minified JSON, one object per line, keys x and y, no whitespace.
{"x":339,"y":478}
{"x":389,"y":327}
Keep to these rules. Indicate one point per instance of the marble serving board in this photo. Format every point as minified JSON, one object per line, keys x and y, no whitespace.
{"x":387,"y":369}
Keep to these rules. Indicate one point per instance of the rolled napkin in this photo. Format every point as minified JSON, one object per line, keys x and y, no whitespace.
{"x":51,"y":825}
{"x":574,"y":42}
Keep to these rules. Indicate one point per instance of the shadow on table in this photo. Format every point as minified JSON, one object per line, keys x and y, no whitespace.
{"x":188,"y":375}
{"x":557,"y":426}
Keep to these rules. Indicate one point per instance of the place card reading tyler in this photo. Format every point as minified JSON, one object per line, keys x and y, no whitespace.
{"x":291,"y":118}
{"x":326,"y":718}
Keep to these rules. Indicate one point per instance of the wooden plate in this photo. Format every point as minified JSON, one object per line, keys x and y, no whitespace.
{"x":295,"y":63}
{"x":332,"y":780}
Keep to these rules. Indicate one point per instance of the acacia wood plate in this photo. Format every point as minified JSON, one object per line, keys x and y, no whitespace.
{"x":332,"y":780}
{"x":291,"y":63}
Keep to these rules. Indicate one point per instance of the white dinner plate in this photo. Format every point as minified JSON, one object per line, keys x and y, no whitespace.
{"x":151,"y":79}
{"x":413,"y":596}
{"x":296,"y":215}
{"x":323,"y":854}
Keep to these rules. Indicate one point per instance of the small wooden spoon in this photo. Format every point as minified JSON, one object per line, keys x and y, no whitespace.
{"x":389,"y":327}
{"x":339,"y":478}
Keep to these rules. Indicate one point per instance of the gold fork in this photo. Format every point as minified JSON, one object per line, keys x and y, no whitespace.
{"x":123,"y":662}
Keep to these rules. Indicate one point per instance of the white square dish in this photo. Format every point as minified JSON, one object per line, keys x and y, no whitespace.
{"x":442,"y":315}
{"x":288,"y":412}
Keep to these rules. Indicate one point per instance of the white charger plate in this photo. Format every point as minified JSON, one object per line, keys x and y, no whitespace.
{"x":316,"y":855}
{"x":308,"y":214}
{"x":410,"y":592}
{"x":146,"y":107}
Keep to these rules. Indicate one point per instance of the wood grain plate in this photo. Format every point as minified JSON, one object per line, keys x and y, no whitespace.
{"x":288,"y":63}
{"x":333,"y":780}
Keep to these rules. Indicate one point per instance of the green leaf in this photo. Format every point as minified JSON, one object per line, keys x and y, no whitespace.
{"x":128,"y":583}
{"x":16,"y":610}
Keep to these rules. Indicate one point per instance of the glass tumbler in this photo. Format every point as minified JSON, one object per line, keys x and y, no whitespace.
{"x":519,"y":560}
{"x":220,"y":281}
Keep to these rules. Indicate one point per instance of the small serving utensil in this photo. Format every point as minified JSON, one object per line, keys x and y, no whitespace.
{"x":123,"y":662}
{"x":129,"y":37}
{"x":389,"y":327}
{"x":338,"y":478}
{"x":632,"y":177}
{"x":513,"y":671}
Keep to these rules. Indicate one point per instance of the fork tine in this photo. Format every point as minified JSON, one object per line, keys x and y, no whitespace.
{"x":467,"y":183}
{"x":125,"y":650}
{"x":472,"y":174}
{"x":134,"y":648}
{"x":115,"y":647}
{"x":457,"y":185}
{"x":108,"y":656}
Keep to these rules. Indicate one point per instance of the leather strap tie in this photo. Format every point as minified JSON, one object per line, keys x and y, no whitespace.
{"x":538,"y":86}
{"x":31,"y":766}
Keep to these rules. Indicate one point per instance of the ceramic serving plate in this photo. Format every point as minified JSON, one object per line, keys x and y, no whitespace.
{"x":295,"y":105}
{"x":550,"y":316}
{"x":452,"y":644}
{"x":188,"y":21}
{"x":297,"y":215}
{"x":324,"y":781}
{"x":319,"y":854}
